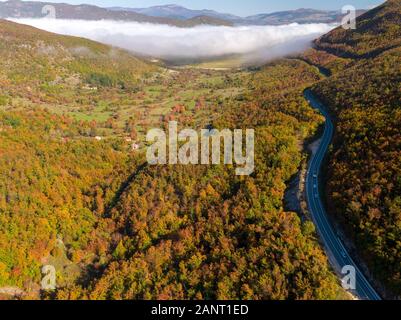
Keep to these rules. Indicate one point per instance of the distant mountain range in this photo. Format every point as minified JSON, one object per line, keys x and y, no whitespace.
{"x":167,"y":14}
{"x":173,"y":11}
{"x":296,"y":16}
{"x":30,"y":9}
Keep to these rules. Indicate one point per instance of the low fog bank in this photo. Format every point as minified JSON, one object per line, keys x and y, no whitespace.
{"x":255,"y":43}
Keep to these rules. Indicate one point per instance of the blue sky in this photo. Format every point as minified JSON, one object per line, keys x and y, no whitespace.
{"x":238,"y":7}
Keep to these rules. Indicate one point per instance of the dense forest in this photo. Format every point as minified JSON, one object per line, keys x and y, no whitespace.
{"x":76,"y":191}
{"x":44,"y":67}
{"x":203,"y":233}
{"x":364,"y":169}
{"x":54,"y":183}
{"x":74,"y":194}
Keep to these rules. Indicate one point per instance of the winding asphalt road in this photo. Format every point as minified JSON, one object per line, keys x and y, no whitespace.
{"x":338,"y":255}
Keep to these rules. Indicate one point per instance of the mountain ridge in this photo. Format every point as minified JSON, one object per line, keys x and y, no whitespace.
{"x":364,"y":41}
{"x":177,"y":12}
{"x":31,"y":9}
{"x":301,"y":15}
{"x":169,"y":14}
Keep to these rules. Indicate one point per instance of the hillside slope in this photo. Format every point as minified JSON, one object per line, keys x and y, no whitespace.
{"x":377,"y":31}
{"x":364,"y":91}
{"x":36,"y":63}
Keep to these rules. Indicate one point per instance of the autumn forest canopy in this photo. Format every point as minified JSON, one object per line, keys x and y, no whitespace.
{"x":77,"y":192}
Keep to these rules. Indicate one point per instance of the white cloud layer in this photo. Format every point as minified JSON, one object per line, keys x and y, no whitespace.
{"x":168,"y":42}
